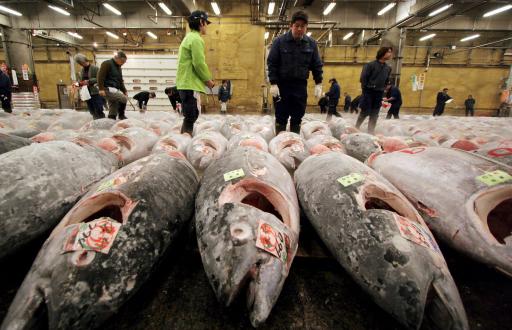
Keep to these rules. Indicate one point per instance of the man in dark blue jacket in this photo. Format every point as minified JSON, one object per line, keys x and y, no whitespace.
{"x":5,"y":92}
{"x":374,"y":78}
{"x":394,"y":97}
{"x":442,"y":98}
{"x":348,"y":100}
{"x":334,"y":97}
{"x":289,"y":61}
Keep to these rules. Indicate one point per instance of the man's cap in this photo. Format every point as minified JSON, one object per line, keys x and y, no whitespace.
{"x":197,"y":15}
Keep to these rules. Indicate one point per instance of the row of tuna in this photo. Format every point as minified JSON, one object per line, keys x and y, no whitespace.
{"x":116,"y":200}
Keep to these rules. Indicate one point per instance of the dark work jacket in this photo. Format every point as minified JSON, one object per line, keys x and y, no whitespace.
{"x":224,"y":94}
{"x":394,"y":92}
{"x":142,"y":97}
{"x":323,"y":101}
{"x":110,"y":75}
{"x":441,"y":100}
{"x":334,"y":92}
{"x":290,"y":60}
{"x":355,"y":102}
{"x":375,"y":76}
{"x":174,"y":97}
{"x":470,"y":104}
{"x":347,"y":101}
{"x":5,"y":84}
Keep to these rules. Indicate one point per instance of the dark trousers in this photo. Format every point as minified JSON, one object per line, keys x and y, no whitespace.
{"x":6,"y":102}
{"x":189,"y":109}
{"x":346,"y":107}
{"x":332,"y":109}
{"x":95,"y":106}
{"x":393,"y":111}
{"x":323,"y":109}
{"x":370,"y":106}
{"x":291,"y":104}
{"x":438,"y":110}
{"x":470,"y":111}
{"x":353,"y":109}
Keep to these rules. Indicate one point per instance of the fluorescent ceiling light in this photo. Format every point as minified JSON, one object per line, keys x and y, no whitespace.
{"x":113,"y":35}
{"x":498,"y":10}
{"x":74,"y":34}
{"x":428,"y":36}
{"x":440,"y":10}
{"x":308,"y":34}
{"x":59,"y":10}
{"x":95,"y":44}
{"x":271,"y":6}
{"x":165,"y":8}
{"x":329,"y":8}
{"x":474,"y":36}
{"x":112,"y":9}
{"x":266,"y":35}
{"x":348,"y":35}
{"x":10,"y":11}
{"x":386,"y":9}
{"x":216,"y":8}
{"x":152,"y":35}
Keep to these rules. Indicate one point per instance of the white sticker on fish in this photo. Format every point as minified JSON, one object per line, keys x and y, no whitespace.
{"x":273,"y":241}
{"x":494,"y":178}
{"x":234,"y":174}
{"x":415,"y":233}
{"x":350,"y":179}
{"x":97,"y":235}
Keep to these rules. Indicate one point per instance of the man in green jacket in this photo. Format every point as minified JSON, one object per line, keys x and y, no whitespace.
{"x":111,"y":85}
{"x":193,"y":73}
{"x":87,"y":77}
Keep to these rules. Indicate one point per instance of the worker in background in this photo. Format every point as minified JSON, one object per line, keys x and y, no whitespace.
{"x":333,"y":94}
{"x":442,"y":98}
{"x":348,"y":99}
{"x":394,"y":97}
{"x":224,"y":97}
{"x":88,"y":77}
{"x":323,"y":102}
{"x":5,"y":91}
{"x":354,"y":105}
{"x":174,"y":97}
{"x":470,"y":106}
{"x":193,"y":73}
{"x":289,"y":61}
{"x":374,"y":78}
{"x":111,"y":85}
{"x":143,"y":99}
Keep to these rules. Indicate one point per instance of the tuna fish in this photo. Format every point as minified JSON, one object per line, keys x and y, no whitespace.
{"x":248,"y":139}
{"x":231,"y":126}
{"x":205,"y":148}
{"x":11,"y":142}
{"x":102,"y":123}
{"x":127,"y":123}
{"x":323,"y":143}
{"x":36,"y":196}
{"x":315,"y":127}
{"x":338,"y":127}
{"x":500,"y":151}
{"x":465,"y":199}
{"x":130,"y":144}
{"x":360,"y":145}
{"x":65,"y":134}
{"x":106,"y":247}
{"x":289,"y":148}
{"x":208,"y":125}
{"x":173,"y":144}
{"x":380,"y":239}
{"x":247,"y":224}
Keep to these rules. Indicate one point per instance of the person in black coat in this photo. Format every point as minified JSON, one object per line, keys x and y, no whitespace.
{"x":442,"y":97}
{"x":174,"y":96}
{"x":394,"y":97}
{"x":334,"y":97}
{"x":224,"y":96}
{"x":348,"y":100}
{"x":5,"y":92}
{"x":354,"y":105}
{"x":143,"y":98}
{"x":470,"y":106}
{"x":323,"y":102}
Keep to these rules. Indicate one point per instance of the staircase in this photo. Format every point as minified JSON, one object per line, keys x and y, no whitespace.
{"x":25,"y":101}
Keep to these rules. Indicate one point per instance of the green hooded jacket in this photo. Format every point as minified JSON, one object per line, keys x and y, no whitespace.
{"x":192,"y":69}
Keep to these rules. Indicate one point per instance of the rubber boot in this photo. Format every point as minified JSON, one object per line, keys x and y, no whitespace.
{"x":280,"y":128}
{"x":295,"y":128}
{"x":112,"y":117}
{"x":120,"y":111}
{"x":187,"y":127}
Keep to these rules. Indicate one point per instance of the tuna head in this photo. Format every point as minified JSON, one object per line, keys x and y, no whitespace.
{"x":130,"y":144}
{"x":290,"y":149}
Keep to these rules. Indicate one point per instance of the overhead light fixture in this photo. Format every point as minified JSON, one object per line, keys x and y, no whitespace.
{"x":440,"y":10}
{"x":386,"y":9}
{"x":113,"y":35}
{"x":474,"y":36}
{"x":348,"y":35}
{"x":271,"y":7}
{"x":112,"y":9}
{"x":75,"y":35}
{"x":59,"y":10}
{"x":125,"y":34}
{"x":498,"y":10}
{"x":152,"y":35}
{"x":329,"y":8}
{"x":308,"y":34}
{"x":216,"y":8}
{"x":10,"y":11}
{"x":428,"y":36}
{"x":95,"y":44}
{"x":165,"y":8}
{"x":266,"y":35}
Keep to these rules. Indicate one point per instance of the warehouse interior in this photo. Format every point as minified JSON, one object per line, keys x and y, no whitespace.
{"x":404,"y":226}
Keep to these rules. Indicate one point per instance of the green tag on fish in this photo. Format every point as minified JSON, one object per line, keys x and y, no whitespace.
{"x":234,"y":174}
{"x":350,"y":179}
{"x":105,"y":185}
{"x":494,"y":178}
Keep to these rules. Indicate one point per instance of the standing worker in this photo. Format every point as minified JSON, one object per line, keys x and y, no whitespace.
{"x":323,"y":102}
{"x":5,"y":91}
{"x":88,"y":77}
{"x":442,"y":97}
{"x":374,"y":78}
{"x":224,"y":97}
{"x":354,"y":105}
{"x":333,"y":94}
{"x":289,"y":61}
{"x":394,"y":97}
{"x":143,"y":99}
{"x":470,"y":106}
{"x":193,"y":73}
{"x":111,"y":85}
{"x":174,"y":97}
{"x":348,"y":99}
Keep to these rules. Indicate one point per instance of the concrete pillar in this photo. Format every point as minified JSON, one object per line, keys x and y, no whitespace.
{"x":17,"y":45}
{"x":395,"y":38}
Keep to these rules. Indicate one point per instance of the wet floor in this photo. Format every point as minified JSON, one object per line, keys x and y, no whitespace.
{"x":318,"y":294}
